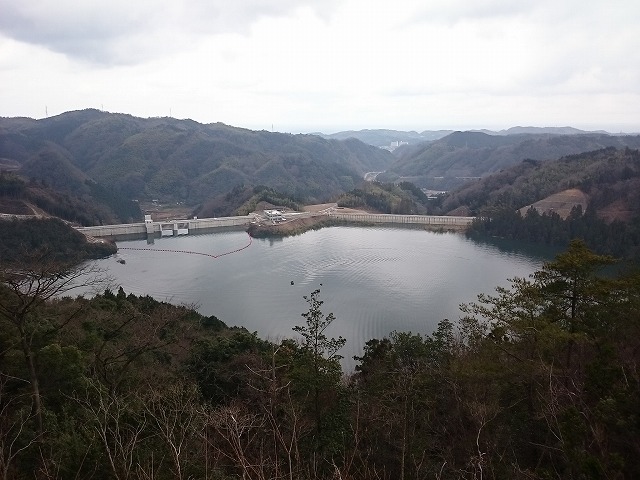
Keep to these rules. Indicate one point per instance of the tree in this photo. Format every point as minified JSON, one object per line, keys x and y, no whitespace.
{"x":25,"y":288}
{"x":556,"y":353}
{"x":407,"y":406}
{"x":570,"y":286}
{"x":173,"y":414}
{"x":15,"y":435}
{"x":313,"y":334}
{"x":319,"y":366}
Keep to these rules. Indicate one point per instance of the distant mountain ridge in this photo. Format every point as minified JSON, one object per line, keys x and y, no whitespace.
{"x":384,"y":137}
{"x":455,"y":159}
{"x":107,"y":160}
{"x":537,"y":130}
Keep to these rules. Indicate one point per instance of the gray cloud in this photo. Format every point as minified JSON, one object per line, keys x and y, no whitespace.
{"x":121,"y":31}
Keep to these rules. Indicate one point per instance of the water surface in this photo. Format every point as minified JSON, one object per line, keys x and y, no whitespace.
{"x":374,"y":280}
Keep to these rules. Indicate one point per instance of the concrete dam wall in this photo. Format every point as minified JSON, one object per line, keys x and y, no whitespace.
{"x":183,"y":227}
{"x":169,"y":227}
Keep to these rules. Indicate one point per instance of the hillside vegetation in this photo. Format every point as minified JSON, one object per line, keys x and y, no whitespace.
{"x":244,"y":200}
{"x":455,"y":159}
{"x":607,"y":176}
{"x":403,"y":199}
{"x":181,"y":160}
{"x":84,"y":204}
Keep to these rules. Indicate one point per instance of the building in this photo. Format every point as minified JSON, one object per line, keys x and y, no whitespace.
{"x":274,"y":215}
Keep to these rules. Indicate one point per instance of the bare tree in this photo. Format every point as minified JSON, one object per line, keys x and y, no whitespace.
{"x":129,"y":335}
{"x":120,"y":424}
{"x":174,"y":415}
{"x":236,"y":435}
{"x":283,"y":417}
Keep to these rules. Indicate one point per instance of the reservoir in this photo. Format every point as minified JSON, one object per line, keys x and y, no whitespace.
{"x":373,"y":279}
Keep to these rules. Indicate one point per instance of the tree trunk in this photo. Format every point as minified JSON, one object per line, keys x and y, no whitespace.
{"x":33,"y":379}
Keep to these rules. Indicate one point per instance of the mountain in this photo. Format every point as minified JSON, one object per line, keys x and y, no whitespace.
{"x":391,"y":139}
{"x":180,"y":160}
{"x":461,"y":156}
{"x":592,"y":196}
{"x":607,"y":178}
{"x":387,"y":138}
{"x":538,"y":130}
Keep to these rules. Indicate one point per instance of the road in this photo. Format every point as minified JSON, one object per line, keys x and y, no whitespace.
{"x":371,"y":176}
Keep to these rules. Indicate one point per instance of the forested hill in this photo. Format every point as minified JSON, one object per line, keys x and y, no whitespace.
{"x":86,"y":203}
{"x":603,"y":186}
{"x":609,"y":177}
{"x":451,"y":161}
{"x":180,"y":160}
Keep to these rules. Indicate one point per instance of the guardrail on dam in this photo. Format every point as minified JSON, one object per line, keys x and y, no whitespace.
{"x":435,"y":220}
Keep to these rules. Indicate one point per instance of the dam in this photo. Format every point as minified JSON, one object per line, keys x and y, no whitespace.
{"x":164,"y":228}
{"x":151,"y":229}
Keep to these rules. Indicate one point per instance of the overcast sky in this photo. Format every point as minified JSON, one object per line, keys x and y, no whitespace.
{"x":328,"y":65}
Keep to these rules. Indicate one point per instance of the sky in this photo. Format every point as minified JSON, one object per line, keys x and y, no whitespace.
{"x":328,"y":65}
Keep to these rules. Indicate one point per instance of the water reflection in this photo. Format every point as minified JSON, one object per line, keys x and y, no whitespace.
{"x":531,"y":250}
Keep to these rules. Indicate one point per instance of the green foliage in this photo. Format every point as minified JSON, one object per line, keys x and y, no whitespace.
{"x":316,"y":372}
{"x":217,"y":363}
{"x":402,"y":199}
{"x":314,"y":339}
{"x":616,"y":238}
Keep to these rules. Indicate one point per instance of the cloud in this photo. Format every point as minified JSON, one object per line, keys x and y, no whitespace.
{"x":126,"y":32}
{"x":317,"y":62}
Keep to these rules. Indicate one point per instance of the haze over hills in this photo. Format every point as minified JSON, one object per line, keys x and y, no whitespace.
{"x":461,"y":156}
{"x":386,"y":138}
